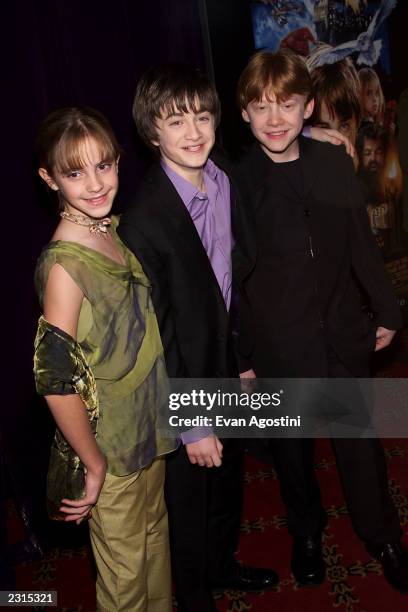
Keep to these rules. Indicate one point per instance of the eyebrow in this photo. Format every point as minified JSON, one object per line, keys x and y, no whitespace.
{"x":181,"y":113}
{"x":175,"y":114}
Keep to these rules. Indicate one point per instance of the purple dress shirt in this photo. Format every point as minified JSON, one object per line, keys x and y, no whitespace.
{"x":211,"y":215}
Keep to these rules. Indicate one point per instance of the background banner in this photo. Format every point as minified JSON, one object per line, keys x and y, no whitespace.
{"x":351,"y":36}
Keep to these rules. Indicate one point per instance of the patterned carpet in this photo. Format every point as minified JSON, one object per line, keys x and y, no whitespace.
{"x":354,"y":580}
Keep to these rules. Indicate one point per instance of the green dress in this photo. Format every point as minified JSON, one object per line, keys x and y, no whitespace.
{"x":118,"y":339}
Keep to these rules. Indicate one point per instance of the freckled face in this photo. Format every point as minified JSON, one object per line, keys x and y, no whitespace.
{"x":277,"y":124}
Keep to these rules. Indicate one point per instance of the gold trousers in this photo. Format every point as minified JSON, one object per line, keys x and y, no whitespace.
{"x":129,"y":536}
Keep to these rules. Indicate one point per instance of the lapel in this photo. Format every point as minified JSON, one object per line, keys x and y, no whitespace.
{"x":310,"y":161}
{"x":221,"y":160}
{"x":181,"y":229}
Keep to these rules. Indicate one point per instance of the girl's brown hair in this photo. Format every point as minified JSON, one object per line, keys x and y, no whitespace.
{"x":62,"y":135}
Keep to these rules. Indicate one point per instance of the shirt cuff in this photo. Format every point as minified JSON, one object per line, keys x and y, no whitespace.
{"x":196,"y":434}
{"x":307,"y":131}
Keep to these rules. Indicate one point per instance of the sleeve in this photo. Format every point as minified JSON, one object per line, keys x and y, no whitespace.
{"x":245,"y":338}
{"x":60,"y":368}
{"x":244,"y":256}
{"x":156,"y":266}
{"x":367,"y":260}
{"x":74,"y":263}
{"x":55,"y":362}
{"x":195,"y":434}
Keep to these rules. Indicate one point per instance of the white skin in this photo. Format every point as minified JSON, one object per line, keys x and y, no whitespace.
{"x":276,"y":125}
{"x":88,"y":191}
{"x":185,"y":141}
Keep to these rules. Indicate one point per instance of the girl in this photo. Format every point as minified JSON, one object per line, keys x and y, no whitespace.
{"x":372,"y":97}
{"x":99,"y":363}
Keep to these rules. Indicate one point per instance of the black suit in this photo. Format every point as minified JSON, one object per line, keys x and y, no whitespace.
{"x":204,"y":505}
{"x":305,"y":247}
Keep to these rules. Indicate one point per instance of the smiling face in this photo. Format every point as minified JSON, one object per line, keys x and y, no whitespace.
{"x":276,"y":124}
{"x":89,"y":189}
{"x":185,"y":140}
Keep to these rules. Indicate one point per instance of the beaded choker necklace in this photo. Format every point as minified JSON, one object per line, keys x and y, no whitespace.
{"x":98,"y":227}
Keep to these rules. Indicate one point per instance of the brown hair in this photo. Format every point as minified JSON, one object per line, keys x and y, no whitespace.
{"x":169,"y":88}
{"x":283,"y":73}
{"x":366,"y":76}
{"x":337,"y":85}
{"x":62,"y":134}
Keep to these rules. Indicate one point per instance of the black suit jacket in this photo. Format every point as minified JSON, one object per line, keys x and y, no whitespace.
{"x":297,"y":301}
{"x":189,"y":305}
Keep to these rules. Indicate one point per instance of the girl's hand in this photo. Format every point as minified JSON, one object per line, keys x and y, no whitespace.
{"x":334,"y":137}
{"x":80,"y":509}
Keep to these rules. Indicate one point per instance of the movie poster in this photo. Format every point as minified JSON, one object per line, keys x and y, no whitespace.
{"x":346,"y":42}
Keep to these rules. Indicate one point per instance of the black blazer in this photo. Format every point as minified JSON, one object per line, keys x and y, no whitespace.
{"x":293,"y":307}
{"x":189,"y":305}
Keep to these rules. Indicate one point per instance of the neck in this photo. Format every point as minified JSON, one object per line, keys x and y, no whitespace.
{"x":290,"y":154}
{"x":195,"y":176}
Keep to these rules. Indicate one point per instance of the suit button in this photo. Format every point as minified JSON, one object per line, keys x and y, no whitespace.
{"x":307,"y":212}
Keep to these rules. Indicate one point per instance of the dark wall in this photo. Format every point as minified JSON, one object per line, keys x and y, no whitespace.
{"x":57,"y":53}
{"x":229,"y":37}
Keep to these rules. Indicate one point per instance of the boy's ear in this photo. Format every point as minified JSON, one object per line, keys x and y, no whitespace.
{"x":308,"y":109}
{"x":47,"y":178}
{"x":245,"y":115}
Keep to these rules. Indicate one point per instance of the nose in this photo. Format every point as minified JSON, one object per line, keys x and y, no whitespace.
{"x":94,"y":182}
{"x":193,"y":131}
{"x":274,"y":115}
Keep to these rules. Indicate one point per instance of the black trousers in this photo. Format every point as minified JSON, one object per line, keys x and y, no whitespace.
{"x":363,"y":474}
{"x":204,"y":507}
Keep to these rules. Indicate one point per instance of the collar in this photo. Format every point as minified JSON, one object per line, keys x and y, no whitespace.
{"x":186,"y":190}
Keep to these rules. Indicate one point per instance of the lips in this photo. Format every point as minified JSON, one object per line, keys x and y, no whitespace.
{"x":97,"y":201}
{"x":194,"y":148}
{"x":276,"y":135}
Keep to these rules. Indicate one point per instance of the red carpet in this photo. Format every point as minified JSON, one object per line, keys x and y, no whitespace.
{"x":354,"y":581}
